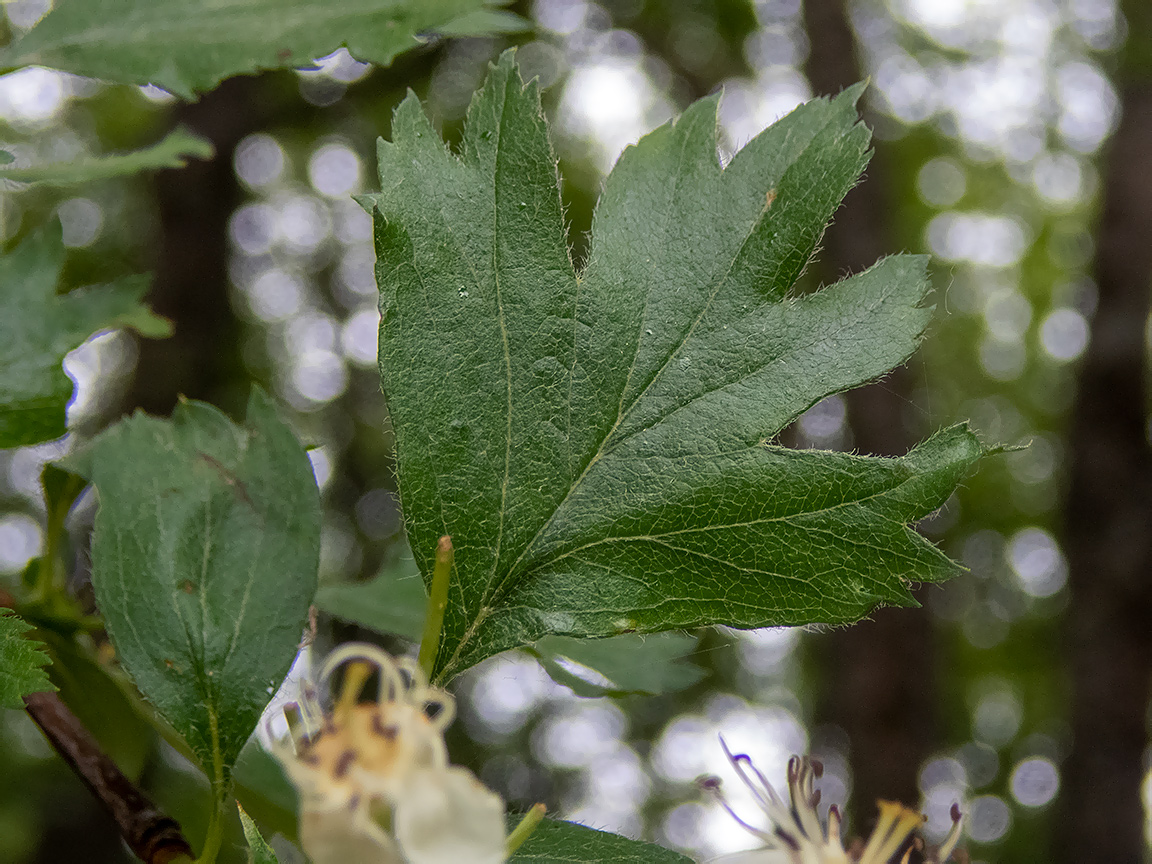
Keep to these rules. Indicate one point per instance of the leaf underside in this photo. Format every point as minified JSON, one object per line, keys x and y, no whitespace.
{"x":556,"y":842}
{"x":189,"y":46}
{"x":38,"y":327}
{"x":22,"y":662}
{"x":632,"y":664}
{"x":204,"y":558}
{"x":600,"y":445}
{"x":173,"y":151}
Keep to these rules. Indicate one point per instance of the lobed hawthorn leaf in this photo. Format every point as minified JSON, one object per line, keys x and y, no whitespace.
{"x":38,"y":327}
{"x":204,"y":560}
{"x":556,"y":842}
{"x":22,"y":661}
{"x":600,"y":445}
{"x":173,"y":151}
{"x":190,"y":46}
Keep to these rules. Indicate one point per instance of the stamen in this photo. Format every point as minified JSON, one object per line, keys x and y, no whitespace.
{"x":834,"y":822}
{"x":355,"y":677}
{"x":895,"y":824}
{"x":772,"y":804}
{"x":949,"y":844}
{"x":789,"y":841}
{"x":712,"y":786}
{"x":389,"y":677}
{"x":343,"y":764}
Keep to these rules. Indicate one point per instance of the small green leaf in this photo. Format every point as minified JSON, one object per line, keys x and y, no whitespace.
{"x":204,"y":558}
{"x":22,"y":662}
{"x":633,"y":664}
{"x":38,"y":327}
{"x":173,"y":152}
{"x":6,"y":158}
{"x":600,"y":446}
{"x":189,"y":46}
{"x":556,"y":842}
{"x":393,"y":602}
{"x":259,"y":852}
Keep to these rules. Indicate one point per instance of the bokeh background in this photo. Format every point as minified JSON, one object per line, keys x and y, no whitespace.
{"x":1013,"y":142}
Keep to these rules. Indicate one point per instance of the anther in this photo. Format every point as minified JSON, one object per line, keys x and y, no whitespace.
{"x":709,"y":782}
{"x":343,"y":764}
{"x":388,"y":732}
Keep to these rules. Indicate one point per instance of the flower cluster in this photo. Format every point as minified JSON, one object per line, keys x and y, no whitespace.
{"x":373,"y":778}
{"x":797,"y":836}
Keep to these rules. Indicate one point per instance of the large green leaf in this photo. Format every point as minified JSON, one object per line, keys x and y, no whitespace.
{"x":189,"y":46}
{"x":173,"y":151}
{"x":38,"y":327}
{"x":556,"y":842}
{"x":22,"y":662}
{"x":600,"y":447}
{"x":204,"y":559}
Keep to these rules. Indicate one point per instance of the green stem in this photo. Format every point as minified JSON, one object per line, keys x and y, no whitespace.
{"x":214,"y":837}
{"x":524,"y":830}
{"x":437,"y":603}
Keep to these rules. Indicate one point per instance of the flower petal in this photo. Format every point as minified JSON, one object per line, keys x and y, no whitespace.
{"x":345,"y":836}
{"x":446,"y":816}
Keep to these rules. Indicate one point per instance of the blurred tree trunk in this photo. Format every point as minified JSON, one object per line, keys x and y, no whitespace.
{"x":202,"y":359}
{"x":876,"y":675}
{"x":1108,"y":530}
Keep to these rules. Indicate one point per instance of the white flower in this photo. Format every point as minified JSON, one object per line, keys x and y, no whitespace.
{"x":797,"y":836}
{"x":373,"y":778}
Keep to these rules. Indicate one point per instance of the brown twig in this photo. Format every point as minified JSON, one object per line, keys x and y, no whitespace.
{"x":152,"y":835}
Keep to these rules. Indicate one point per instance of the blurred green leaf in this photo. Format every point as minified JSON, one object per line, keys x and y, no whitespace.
{"x":189,"y":46}
{"x":6,"y":158}
{"x":204,"y":558}
{"x":264,"y":790}
{"x":38,"y":327}
{"x":22,"y":661}
{"x":101,"y":703}
{"x":172,"y":152}
{"x":644,"y":664}
{"x":392,"y":602}
{"x":556,"y":842}
{"x":600,"y":448}
{"x":259,"y":852}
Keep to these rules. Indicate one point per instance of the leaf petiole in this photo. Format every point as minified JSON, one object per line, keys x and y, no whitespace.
{"x":524,"y":830}
{"x":437,"y":603}
{"x":214,"y":837}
